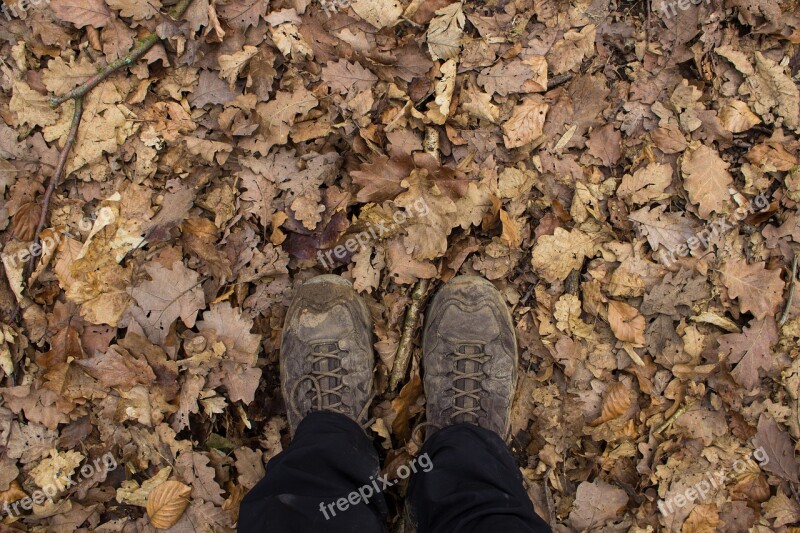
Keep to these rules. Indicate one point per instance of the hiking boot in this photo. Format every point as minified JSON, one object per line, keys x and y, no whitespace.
{"x":469,"y":354}
{"x":326,"y":354}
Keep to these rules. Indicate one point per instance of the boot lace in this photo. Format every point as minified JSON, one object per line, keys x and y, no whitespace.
{"x":468,"y":371}
{"x":326,"y":381}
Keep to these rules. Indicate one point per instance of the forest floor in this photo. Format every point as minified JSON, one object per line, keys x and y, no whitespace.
{"x":626,"y":174}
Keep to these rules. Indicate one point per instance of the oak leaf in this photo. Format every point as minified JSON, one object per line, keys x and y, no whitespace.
{"x":667,"y":229}
{"x":707,"y":180}
{"x":759,"y":291}
{"x":193,"y":467}
{"x":704,"y":518}
{"x":647,"y":184}
{"x":379,"y":13}
{"x":782,"y":509}
{"x":445,"y":31}
{"x":427,"y":234}
{"x":57,"y":469}
{"x":751,"y":349}
{"x":342,"y":75}
{"x":517,"y":76}
{"x":169,"y":294}
{"x":555,"y":256}
{"x":242,"y":14}
{"x":232,"y":65}
{"x":118,"y":368}
{"x":596,"y":505}
{"x":777,"y":444}
{"x":136,"y":9}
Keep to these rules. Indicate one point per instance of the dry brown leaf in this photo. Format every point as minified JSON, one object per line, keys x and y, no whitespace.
{"x":167,"y":502}
{"x":707,"y":180}
{"x":647,"y":184}
{"x":13,"y":493}
{"x":736,"y":117}
{"x":379,"y":13}
{"x":136,"y":9}
{"x":759,"y":291}
{"x":555,"y":256}
{"x":526,"y":123}
{"x":626,"y":322}
{"x":82,"y":13}
{"x":704,"y":518}
{"x":616,"y":402}
{"x":596,"y":505}
{"x":445,"y":31}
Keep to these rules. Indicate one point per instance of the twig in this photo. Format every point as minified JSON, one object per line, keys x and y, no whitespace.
{"x":403,"y":354}
{"x":56,"y":178}
{"x":682,"y":409}
{"x":559,"y":80}
{"x":785,"y":315}
{"x":141,"y":48}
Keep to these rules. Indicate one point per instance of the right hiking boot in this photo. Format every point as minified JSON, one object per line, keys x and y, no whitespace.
{"x":326,"y":358}
{"x":469,"y":355}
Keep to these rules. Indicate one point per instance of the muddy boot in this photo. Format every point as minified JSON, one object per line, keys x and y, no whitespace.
{"x":326,"y":354}
{"x":469,"y":356}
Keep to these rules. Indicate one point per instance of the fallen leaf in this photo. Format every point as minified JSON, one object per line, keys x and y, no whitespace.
{"x":445,"y":31}
{"x":526,"y":123}
{"x":167,"y":502}
{"x":82,"y":13}
{"x":759,"y":291}
{"x":626,"y":322}
{"x":707,"y":180}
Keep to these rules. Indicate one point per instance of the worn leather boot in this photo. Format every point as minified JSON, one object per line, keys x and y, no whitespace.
{"x":326,"y":354}
{"x":469,"y":356}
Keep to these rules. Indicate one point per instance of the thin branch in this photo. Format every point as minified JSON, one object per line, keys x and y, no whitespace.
{"x":403,"y":354}
{"x":138,"y":51}
{"x":674,"y":417}
{"x":785,"y":315}
{"x":56,"y":178}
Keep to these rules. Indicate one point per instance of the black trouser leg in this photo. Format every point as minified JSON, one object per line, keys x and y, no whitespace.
{"x":329,"y":458}
{"x":474,"y":486}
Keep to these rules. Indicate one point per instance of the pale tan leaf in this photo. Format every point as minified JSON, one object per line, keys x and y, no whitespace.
{"x":555,"y":256}
{"x":167,"y":502}
{"x":526,"y":123}
{"x":445,"y":32}
{"x":736,"y":117}
{"x":379,"y":13}
{"x":707,"y":180}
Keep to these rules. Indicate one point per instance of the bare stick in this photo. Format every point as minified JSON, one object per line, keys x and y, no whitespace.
{"x":141,"y":48}
{"x":674,"y":417}
{"x":785,"y":315}
{"x":57,"y":175}
{"x":403,"y":354}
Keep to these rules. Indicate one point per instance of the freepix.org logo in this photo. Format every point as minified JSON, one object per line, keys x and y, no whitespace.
{"x":16,"y":8}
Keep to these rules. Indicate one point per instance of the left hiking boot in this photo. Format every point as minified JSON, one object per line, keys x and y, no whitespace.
{"x":326,"y":354}
{"x":469,"y":354}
